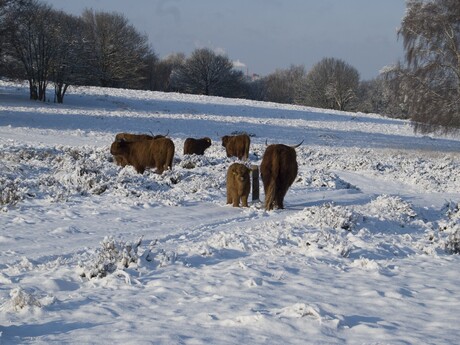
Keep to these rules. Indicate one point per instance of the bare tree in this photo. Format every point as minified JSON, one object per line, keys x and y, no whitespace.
{"x":29,"y":41}
{"x":68,"y":65}
{"x":6,"y":7}
{"x":163,"y":69}
{"x":383,"y":95}
{"x":333,"y":84}
{"x":208,"y":73}
{"x":257,"y":90}
{"x":115,"y":51}
{"x":431,"y":37}
{"x":286,"y":86}
{"x":6,"y":62}
{"x":149,"y":71}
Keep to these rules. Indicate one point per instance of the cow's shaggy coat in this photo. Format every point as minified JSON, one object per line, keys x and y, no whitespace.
{"x":237,"y":145}
{"x":156,"y":153}
{"x":278,"y":170}
{"x":238,"y":184}
{"x":196,"y":146}
{"x":130,"y":137}
{"x":133,"y":137}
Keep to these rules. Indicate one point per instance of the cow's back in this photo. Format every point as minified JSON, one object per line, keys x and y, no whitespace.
{"x":163,"y":150}
{"x":278,"y":170}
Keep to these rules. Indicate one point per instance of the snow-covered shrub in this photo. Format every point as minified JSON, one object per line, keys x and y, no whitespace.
{"x":10,"y":192}
{"x":446,"y":236}
{"x":331,"y":240}
{"x":82,"y":171}
{"x":193,"y":161}
{"x":21,"y":299}
{"x":391,"y":208}
{"x":449,"y":230}
{"x":452,"y":242}
{"x":111,"y":256}
{"x":330,"y":225}
{"x":451,"y":210}
{"x":166,"y":257}
{"x":320,"y":178}
{"x":326,"y":216}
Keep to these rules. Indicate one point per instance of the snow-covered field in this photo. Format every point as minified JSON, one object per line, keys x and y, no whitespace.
{"x":91,"y":253}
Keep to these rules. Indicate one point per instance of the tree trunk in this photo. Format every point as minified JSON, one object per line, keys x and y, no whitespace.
{"x":33,"y":91}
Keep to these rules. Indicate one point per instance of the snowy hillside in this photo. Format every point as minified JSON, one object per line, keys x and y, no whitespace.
{"x":91,"y":253}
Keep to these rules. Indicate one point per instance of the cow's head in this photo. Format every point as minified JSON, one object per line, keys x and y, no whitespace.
{"x":119,"y":147}
{"x":225,"y":140}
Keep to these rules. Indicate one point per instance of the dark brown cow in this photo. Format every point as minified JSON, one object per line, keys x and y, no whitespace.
{"x":237,"y":145}
{"x":132,"y":137}
{"x":278,"y":170}
{"x":238,"y":184}
{"x":157,"y":153}
{"x":196,"y":146}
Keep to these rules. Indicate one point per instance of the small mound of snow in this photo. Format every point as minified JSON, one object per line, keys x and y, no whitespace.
{"x":325,"y":216}
{"x":387,"y":207}
{"x":320,"y":178}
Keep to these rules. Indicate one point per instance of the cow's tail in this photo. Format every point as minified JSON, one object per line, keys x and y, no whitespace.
{"x":270,"y":195}
{"x":170,"y":158}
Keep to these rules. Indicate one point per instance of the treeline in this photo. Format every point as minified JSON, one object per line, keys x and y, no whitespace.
{"x":49,"y":47}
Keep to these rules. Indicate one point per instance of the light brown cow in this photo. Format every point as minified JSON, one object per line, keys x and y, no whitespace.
{"x":278,"y":170}
{"x":238,"y":184}
{"x":132,"y":137}
{"x":237,"y":145}
{"x":157,"y":153}
{"x":196,"y":146}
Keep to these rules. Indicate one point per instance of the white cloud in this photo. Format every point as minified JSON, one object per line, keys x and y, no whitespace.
{"x":238,"y":64}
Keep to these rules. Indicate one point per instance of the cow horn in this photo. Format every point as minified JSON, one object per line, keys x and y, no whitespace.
{"x":295,"y":146}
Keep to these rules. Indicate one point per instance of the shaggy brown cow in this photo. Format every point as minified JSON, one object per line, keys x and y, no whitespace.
{"x":196,"y":146}
{"x":132,"y":137}
{"x":238,"y":184}
{"x":278,"y":170}
{"x":157,"y":153}
{"x":237,"y":145}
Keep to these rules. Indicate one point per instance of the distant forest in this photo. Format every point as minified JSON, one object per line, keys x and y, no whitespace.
{"x":54,"y":50}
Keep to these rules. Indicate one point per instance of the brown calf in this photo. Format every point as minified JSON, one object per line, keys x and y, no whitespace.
{"x":238,"y":184}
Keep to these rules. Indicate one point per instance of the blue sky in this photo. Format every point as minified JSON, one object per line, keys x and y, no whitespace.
{"x":265,"y":35}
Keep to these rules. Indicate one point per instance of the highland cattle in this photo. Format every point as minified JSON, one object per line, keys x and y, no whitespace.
{"x":278,"y":171}
{"x":238,"y":184}
{"x":196,"y":146}
{"x":132,"y":137}
{"x":237,"y":145}
{"x":143,"y":154}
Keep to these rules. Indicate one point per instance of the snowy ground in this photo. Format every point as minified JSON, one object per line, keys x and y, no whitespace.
{"x":362,"y":254}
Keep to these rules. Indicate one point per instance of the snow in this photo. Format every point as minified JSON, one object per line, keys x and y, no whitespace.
{"x":90,"y":253}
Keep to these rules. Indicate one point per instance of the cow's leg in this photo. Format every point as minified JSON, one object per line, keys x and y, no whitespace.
{"x":244,"y":201}
{"x":140,"y":169}
{"x":280,"y":199}
{"x":229,"y":197}
{"x":235,"y":199}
